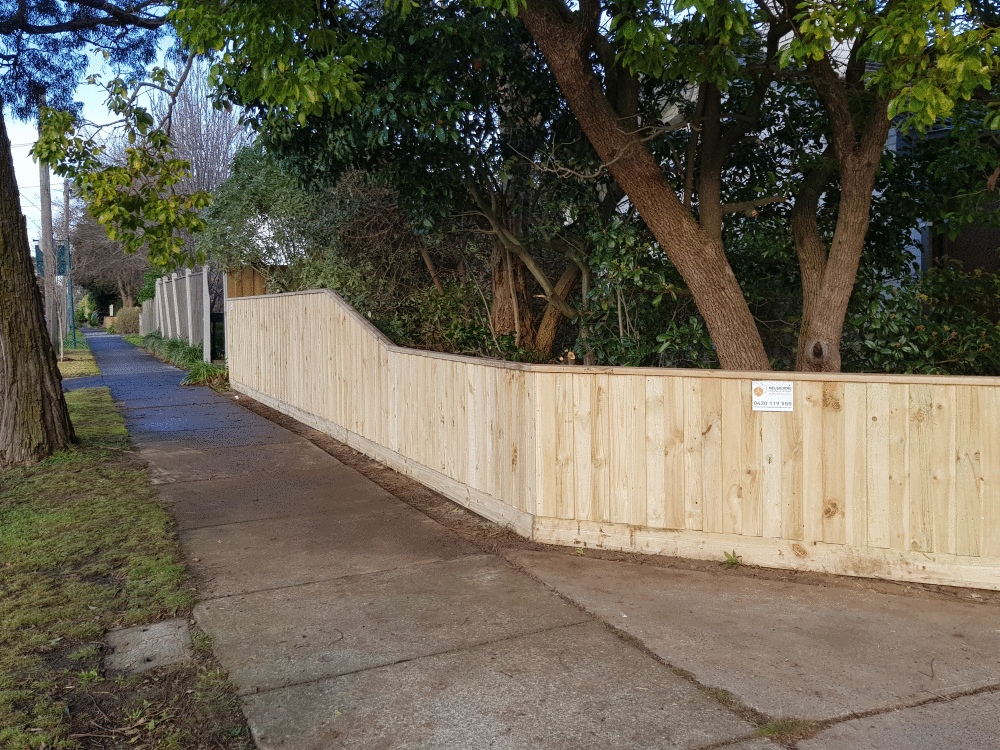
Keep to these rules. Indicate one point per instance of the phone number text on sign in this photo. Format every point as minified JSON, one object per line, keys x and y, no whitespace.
{"x":773,"y":395}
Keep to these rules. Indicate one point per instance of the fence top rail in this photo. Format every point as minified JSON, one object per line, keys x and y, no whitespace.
{"x":831,"y":377}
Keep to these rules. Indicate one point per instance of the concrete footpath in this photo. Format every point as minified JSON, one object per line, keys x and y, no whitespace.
{"x":355,"y":609}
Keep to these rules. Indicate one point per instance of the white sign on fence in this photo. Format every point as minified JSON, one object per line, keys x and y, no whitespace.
{"x":773,"y":395}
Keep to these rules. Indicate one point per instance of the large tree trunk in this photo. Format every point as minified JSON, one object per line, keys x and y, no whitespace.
{"x":126,"y":293}
{"x":829,"y":274}
{"x":34,"y":421}
{"x":698,"y":256}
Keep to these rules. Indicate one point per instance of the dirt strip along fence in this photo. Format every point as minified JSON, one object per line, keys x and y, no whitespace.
{"x":893,"y":477}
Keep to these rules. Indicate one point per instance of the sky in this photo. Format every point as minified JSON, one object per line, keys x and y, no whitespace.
{"x":22,"y":137}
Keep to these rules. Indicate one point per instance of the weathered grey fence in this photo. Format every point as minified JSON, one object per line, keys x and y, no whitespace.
{"x":180,"y":309}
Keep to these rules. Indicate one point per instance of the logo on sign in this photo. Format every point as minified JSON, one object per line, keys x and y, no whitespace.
{"x":773,"y":395}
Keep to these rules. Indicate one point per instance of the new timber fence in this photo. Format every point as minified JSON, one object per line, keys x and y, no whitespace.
{"x":892,"y":477}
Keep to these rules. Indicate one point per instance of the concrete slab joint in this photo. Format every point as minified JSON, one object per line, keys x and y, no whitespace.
{"x":348,"y":618}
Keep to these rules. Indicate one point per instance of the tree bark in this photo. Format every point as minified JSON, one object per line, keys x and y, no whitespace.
{"x":34,"y":421}
{"x":552,"y":317}
{"x":827,"y":283}
{"x":698,"y":256}
{"x":511,"y":312}
{"x":828,"y":274}
{"x":432,"y":269}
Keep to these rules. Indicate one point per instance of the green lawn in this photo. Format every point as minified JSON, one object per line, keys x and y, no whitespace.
{"x":85,"y":547}
{"x":77,"y":362}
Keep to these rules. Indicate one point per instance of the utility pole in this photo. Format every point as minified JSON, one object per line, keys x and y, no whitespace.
{"x":51,"y":264}
{"x":71,"y":312}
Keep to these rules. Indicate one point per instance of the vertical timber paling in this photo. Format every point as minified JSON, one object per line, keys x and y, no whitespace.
{"x":902,"y":473}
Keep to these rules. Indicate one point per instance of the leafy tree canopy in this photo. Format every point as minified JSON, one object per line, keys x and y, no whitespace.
{"x":731,"y":75}
{"x":45,"y":46}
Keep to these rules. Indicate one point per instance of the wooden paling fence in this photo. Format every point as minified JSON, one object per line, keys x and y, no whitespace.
{"x":880,"y":476}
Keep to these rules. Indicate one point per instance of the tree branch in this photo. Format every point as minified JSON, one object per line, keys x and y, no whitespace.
{"x":517,"y":247}
{"x":136,"y":14}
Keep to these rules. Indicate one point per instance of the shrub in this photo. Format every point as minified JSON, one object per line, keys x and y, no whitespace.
{"x":177,"y":352}
{"x":127,"y":320}
{"x":945,"y":322}
{"x":205,"y":373}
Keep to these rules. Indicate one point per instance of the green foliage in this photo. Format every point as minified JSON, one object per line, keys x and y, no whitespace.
{"x":691,"y":41}
{"x":932,"y":54}
{"x":638,"y":312}
{"x":148,"y":290}
{"x":262,"y":218}
{"x":951,"y":172}
{"x":442,"y":97}
{"x":944,"y":322}
{"x":299,"y":56}
{"x":353,"y":239}
{"x":81,"y":316}
{"x":206,"y":373}
{"x":181,"y":354}
{"x":138,"y":199}
{"x":175,"y":351}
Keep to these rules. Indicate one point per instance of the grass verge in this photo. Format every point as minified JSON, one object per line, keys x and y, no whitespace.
{"x":85,"y":547}
{"x":77,"y":361}
{"x":180,"y":354}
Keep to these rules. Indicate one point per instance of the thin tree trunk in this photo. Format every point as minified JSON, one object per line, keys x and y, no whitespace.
{"x":545,"y":338}
{"x":34,"y":420}
{"x":698,"y":256}
{"x":432,"y":269}
{"x":511,"y":311}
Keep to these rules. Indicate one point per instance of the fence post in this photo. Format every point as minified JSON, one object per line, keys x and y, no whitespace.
{"x":164,"y":308}
{"x":225,"y":310}
{"x":167,"y":309}
{"x":177,"y":306}
{"x":157,"y":301}
{"x":190,"y":306}
{"x":206,"y":317}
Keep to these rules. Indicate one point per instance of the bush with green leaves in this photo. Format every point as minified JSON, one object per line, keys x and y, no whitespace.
{"x":175,"y":351}
{"x":181,"y":354}
{"x":944,"y":322}
{"x":148,"y":290}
